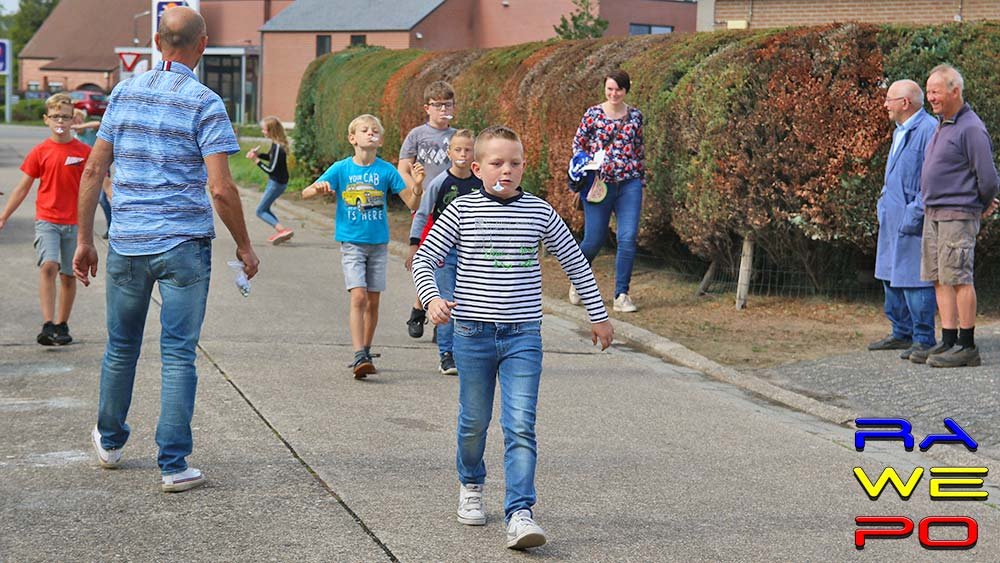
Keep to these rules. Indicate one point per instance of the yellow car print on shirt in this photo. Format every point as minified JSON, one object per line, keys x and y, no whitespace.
{"x":364,"y":198}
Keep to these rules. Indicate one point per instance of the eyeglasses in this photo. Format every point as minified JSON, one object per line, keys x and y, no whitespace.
{"x":887,"y":100}
{"x":441,"y":106}
{"x":60,"y":117}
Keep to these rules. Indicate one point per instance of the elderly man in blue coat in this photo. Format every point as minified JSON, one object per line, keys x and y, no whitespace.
{"x":909,"y":302}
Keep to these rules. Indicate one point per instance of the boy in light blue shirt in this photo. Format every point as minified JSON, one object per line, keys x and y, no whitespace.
{"x":360,"y":184}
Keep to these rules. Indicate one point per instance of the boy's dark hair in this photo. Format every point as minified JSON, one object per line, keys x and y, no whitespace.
{"x":494,"y":132}
{"x":438,"y":90}
{"x":620,"y":77}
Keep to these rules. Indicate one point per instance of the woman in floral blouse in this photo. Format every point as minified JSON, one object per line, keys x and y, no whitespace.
{"x":615,"y":128}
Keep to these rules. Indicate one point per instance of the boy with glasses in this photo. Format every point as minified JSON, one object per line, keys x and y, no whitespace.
{"x":58,"y":162}
{"x":427,"y":144}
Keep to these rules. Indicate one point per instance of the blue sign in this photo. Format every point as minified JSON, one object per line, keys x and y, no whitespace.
{"x":5,"y":56}
{"x":161,"y":6}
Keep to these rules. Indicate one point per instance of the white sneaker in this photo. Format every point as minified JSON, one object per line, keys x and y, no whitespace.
{"x":624,"y":305}
{"x":187,"y":479}
{"x":470,"y":505}
{"x":109,"y":459}
{"x":574,"y":297}
{"x":522,"y":532}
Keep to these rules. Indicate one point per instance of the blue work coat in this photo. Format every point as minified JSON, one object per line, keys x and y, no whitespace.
{"x":900,"y":208}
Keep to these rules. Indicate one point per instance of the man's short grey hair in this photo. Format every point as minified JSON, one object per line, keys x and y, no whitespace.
{"x":180,"y":32}
{"x":952,"y":76}
{"x":911,"y":91}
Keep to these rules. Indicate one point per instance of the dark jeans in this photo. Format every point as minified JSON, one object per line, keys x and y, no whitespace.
{"x":911,"y":312}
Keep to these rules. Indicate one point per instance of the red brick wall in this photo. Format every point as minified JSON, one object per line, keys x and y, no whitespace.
{"x":31,"y":71}
{"x":620,"y":13}
{"x":780,"y":13}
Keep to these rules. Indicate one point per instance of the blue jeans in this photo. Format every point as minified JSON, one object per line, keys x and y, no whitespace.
{"x":183,"y":274}
{"x":911,"y":312}
{"x":625,"y":200}
{"x":272,"y":192}
{"x":445,"y":279}
{"x":102,"y":199}
{"x":512,"y":353}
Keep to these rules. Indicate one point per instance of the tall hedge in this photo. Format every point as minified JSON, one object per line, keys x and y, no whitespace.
{"x":777,"y":134}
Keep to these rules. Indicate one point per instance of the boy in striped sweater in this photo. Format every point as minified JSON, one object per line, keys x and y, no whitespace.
{"x":497,"y":315}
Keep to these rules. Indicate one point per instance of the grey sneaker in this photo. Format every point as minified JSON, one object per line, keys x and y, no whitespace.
{"x":623,"y":304}
{"x":956,"y":357}
{"x":448,"y":366}
{"x":183,"y":481}
{"x":574,"y":297}
{"x":522,"y":532}
{"x":920,"y":356}
{"x":917,"y":347}
{"x":109,"y":459}
{"x":470,"y":505}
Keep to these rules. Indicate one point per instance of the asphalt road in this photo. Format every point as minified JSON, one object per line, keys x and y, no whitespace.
{"x":639,"y":460}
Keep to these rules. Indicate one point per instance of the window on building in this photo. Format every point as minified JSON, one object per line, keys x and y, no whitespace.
{"x":34,"y":86}
{"x":55,"y":87}
{"x":359,"y":40}
{"x":648,"y":29}
{"x":322,"y":45}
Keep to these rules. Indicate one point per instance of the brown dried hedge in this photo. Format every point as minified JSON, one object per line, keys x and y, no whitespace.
{"x":779,"y":134}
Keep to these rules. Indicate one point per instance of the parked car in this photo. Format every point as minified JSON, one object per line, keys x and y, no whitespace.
{"x":94,"y":103}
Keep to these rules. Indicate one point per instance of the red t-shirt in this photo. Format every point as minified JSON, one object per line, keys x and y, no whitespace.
{"x":59,"y":166}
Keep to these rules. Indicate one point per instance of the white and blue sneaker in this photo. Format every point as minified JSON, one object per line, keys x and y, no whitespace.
{"x":109,"y":459}
{"x":470,"y":505}
{"x":522,"y":532}
{"x":187,"y":479}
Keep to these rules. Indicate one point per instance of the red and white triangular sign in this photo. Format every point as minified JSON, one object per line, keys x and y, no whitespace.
{"x":129,"y":60}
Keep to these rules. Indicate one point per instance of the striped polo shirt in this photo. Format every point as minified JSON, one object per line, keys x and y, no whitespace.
{"x":499,"y":279}
{"x":162,"y":125}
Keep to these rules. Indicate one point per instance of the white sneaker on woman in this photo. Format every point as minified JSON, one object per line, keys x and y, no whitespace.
{"x":624,"y":305}
{"x":574,"y":297}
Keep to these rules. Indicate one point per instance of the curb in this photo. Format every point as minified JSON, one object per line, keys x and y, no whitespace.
{"x":652,"y":343}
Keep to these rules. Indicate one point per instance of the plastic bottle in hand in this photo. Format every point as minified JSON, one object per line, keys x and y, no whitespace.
{"x":241,"y":277}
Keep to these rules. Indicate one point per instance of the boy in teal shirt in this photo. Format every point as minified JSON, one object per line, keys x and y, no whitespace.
{"x":360,"y":184}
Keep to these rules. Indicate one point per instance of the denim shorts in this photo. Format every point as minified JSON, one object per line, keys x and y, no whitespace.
{"x":364,"y":265}
{"x":56,"y":243}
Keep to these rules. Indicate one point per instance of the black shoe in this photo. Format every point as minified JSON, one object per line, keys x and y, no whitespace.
{"x":48,"y":335}
{"x":917,"y":347}
{"x":448,"y":364}
{"x":956,"y":357}
{"x":890,"y":343}
{"x":434,"y":335}
{"x":62,"y":334}
{"x":415,"y":326}
{"x":920,"y":356}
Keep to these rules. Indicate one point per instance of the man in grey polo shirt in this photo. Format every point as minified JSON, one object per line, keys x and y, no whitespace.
{"x":168,"y":135}
{"x":959,"y":185}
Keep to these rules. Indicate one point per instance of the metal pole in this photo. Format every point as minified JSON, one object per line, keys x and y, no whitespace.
{"x":241,"y":119}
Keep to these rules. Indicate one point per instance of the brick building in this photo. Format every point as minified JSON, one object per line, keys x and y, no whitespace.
{"x":720,"y":14}
{"x":258,"y":49}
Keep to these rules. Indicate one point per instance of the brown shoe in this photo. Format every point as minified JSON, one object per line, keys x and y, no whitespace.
{"x":363,"y":367}
{"x":956,"y":357}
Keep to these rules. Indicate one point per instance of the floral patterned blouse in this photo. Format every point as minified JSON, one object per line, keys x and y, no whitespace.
{"x":621,"y":140}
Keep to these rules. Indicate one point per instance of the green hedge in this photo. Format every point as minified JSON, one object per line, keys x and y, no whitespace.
{"x":779,"y":134}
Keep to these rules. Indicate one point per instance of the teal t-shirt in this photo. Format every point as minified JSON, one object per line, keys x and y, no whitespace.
{"x":361,"y":199}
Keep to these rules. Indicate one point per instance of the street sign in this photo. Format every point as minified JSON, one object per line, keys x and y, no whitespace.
{"x":5,"y":57}
{"x":157,"y":7}
{"x":129,"y":60}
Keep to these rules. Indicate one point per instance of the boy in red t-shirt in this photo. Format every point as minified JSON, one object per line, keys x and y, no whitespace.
{"x":58,"y":162}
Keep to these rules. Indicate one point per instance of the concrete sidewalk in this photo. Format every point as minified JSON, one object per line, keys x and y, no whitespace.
{"x":638,"y":459}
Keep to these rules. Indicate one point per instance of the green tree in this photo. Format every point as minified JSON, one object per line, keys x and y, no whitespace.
{"x":582,"y":23}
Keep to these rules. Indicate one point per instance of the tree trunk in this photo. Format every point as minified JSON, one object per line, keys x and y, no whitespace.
{"x":746,"y":269}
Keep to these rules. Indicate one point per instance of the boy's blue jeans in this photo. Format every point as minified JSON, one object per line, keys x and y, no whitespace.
{"x":183,"y":274}
{"x":625,"y":200}
{"x":911,"y":312}
{"x":512,"y":354}
{"x":445,"y":279}
{"x":105,"y":204}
